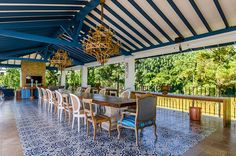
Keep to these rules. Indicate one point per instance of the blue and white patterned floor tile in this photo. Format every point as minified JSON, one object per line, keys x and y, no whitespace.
{"x":42,"y":134}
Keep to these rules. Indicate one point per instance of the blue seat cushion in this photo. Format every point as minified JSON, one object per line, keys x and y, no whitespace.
{"x":129,"y":121}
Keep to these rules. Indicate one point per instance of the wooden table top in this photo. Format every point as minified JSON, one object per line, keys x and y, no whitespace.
{"x":105,"y":100}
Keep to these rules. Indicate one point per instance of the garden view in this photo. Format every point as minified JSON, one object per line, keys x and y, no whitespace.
{"x":205,"y":72}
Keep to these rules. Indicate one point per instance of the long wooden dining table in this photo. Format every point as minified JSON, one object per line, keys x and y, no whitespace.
{"x":113,"y":105}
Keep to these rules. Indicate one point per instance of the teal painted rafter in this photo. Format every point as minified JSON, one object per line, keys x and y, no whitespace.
{"x":79,"y":18}
{"x":22,"y":59}
{"x":37,"y":38}
{"x":21,"y":52}
{"x":19,"y":66}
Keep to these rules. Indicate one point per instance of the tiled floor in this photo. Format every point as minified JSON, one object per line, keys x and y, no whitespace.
{"x":42,"y":134}
{"x":9,"y":139}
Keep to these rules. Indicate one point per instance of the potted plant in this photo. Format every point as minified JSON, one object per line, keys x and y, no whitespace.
{"x":195,"y":112}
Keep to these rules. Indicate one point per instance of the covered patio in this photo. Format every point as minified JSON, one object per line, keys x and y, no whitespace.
{"x":41,"y":118}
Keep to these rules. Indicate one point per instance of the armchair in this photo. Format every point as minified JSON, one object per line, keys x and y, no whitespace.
{"x":145,"y":116}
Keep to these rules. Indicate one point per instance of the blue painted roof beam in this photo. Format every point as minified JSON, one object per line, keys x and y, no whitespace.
{"x":87,"y":9}
{"x":22,"y":59}
{"x":192,"y":38}
{"x":34,"y":24}
{"x":222,"y":15}
{"x":19,"y":66}
{"x":77,"y":29}
{"x":79,"y":18}
{"x":45,"y":8}
{"x":32,"y":14}
{"x":127,"y":24}
{"x":136,"y":20}
{"x":42,"y":18}
{"x":66,"y":30}
{"x":118,"y":27}
{"x":61,"y":2}
{"x":163,"y":16}
{"x":37,"y":38}
{"x":150,"y":20}
{"x":21,"y":52}
{"x":74,"y":53}
{"x":200,"y":15}
{"x":179,"y":13}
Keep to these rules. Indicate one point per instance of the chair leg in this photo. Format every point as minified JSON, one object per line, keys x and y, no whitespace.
{"x":109,"y":128}
{"x":94,"y":131}
{"x":87,"y":128}
{"x":73,"y":121}
{"x":100,"y":125}
{"x":51,"y":107}
{"x":78,"y":124}
{"x":48,"y":107}
{"x":155,"y":130}
{"x":85,"y":121}
{"x":58,"y":113}
{"x":136,"y":135}
{"x":141,"y":132}
{"x":118,"y":129}
{"x":61,"y":111}
{"x":69,"y":114}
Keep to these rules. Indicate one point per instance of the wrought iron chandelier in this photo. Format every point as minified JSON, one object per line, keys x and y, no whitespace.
{"x":61,"y":59}
{"x":101,"y":42}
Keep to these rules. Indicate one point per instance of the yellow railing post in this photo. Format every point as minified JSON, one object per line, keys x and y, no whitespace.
{"x":226,"y":112}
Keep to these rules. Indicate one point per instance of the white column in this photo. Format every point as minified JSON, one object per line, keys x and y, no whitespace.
{"x":129,"y":72}
{"x":84,"y":76}
{"x":21,"y":79}
{"x":63,"y":78}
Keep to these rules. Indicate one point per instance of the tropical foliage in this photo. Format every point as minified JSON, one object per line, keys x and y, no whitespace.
{"x":214,"y":68}
{"x":52,"y":77}
{"x":112,"y":75}
{"x":73,"y":79}
{"x":11,"y":79}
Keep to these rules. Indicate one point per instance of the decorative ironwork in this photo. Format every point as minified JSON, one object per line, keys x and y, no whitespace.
{"x":101,"y":42}
{"x":61,"y":60}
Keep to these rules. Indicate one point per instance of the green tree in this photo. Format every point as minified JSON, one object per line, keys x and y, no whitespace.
{"x":73,"y":79}
{"x":52,"y":77}
{"x":206,"y":68}
{"x":107,"y":75}
{"x":11,"y":79}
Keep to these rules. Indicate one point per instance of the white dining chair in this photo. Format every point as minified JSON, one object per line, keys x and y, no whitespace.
{"x":50,"y":100}
{"x":113,"y":93}
{"x":87,"y":90}
{"x":45,"y":96}
{"x":77,"y":111}
{"x":125,"y":94}
{"x":103,"y":91}
{"x":60,"y":107}
{"x":39,"y":93}
{"x":79,"y":90}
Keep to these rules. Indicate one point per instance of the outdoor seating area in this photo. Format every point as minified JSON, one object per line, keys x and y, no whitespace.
{"x":117,"y":77}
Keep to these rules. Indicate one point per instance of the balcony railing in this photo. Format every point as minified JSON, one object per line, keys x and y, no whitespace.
{"x":221,"y":107}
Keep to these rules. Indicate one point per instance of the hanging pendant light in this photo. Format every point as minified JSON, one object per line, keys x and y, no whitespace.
{"x":61,"y":60}
{"x":101,"y":43}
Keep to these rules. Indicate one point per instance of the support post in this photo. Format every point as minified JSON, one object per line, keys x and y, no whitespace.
{"x":84,"y":76}
{"x":21,"y":85}
{"x":129,"y":72}
{"x":63,"y":78}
